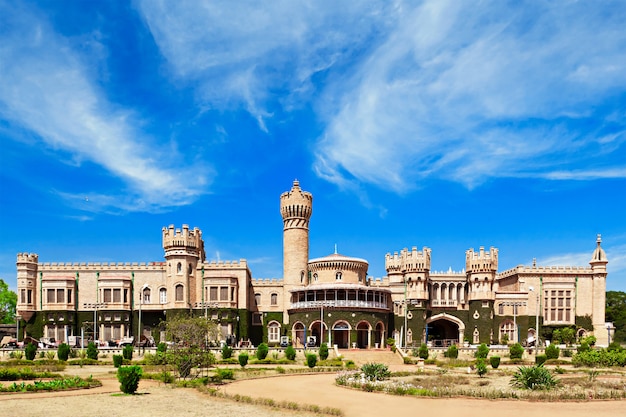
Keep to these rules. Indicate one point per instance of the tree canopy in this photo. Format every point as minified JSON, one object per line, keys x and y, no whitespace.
{"x":8,"y":302}
{"x":616,"y":313}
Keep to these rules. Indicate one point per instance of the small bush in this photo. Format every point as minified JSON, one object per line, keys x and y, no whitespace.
{"x":129,"y":377}
{"x":423,"y":351}
{"x":227,"y":352}
{"x":552,"y":352}
{"x":162,"y":347}
{"x":290,"y":353}
{"x":583,"y":347}
{"x":92,"y":351}
{"x":482,"y":351}
{"x":481,"y":367}
{"x":63,"y":352}
{"x":311,"y":360}
{"x":261,"y":351}
{"x":118,"y":360}
{"x":534,"y":378}
{"x":324,"y":351}
{"x":540,"y":359}
{"x":221,"y":374}
{"x":391,"y":342}
{"x":516,"y":351}
{"x":494,"y":361}
{"x":567,"y":353}
{"x":243,"y":359}
{"x":452,"y":352}
{"x":127,"y":352}
{"x":615,"y":347}
{"x":30,"y":351}
{"x":375,"y":371}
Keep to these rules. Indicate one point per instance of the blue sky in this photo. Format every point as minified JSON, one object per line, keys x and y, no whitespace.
{"x":443,"y":124}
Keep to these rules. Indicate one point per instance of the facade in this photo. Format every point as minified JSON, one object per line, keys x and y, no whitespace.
{"x":323,"y":300}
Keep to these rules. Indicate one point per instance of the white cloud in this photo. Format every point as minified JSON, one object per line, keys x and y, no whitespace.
{"x":47,"y":88}
{"x":468,"y":92}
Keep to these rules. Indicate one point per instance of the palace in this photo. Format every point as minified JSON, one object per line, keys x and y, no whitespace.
{"x":323,"y":300}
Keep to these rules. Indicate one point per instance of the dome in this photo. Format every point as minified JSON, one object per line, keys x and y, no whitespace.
{"x":599,"y":256}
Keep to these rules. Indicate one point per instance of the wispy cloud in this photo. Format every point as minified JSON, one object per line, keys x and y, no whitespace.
{"x":49,"y":88}
{"x":469,"y":92}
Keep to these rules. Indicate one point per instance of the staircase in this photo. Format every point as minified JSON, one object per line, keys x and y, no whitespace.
{"x":362,"y":356}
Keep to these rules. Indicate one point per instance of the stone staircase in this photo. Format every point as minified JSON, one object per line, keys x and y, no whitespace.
{"x":362,"y":356}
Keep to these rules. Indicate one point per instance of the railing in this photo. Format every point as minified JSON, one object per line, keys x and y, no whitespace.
{"x":340,"y":303}
{"x":444,"y":303}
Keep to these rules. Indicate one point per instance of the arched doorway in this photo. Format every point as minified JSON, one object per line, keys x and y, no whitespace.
{"x":379,"y":335}
{"x":297,"y":334}
{"x":318,"y":330}
{"x":363,"y":335}
{"x":341,"y":334}
{"x":443,"y":330}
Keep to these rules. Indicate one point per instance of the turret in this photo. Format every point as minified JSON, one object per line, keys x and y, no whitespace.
{"x":27,"y":266}
{"x":598,"y":265}
{"x":481,"y":268}
{"x":184,"y":250}
{"x":296,"y":207}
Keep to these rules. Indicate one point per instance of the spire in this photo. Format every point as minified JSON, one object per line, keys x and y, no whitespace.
{"x":335,"y":249}
{"x":599,"y":256}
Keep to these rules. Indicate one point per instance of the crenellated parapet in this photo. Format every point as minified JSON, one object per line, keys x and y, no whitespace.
{"x":296,"y":207}
{"x":546,"y":271}
{"x":270,"y":282}
{"x":100,"y":266}
{"x":240,"y":264}
{"x":27,"y":258}
{"x":183,"y":241}
{"x":408,"y":261}
{"x":481,"y":261}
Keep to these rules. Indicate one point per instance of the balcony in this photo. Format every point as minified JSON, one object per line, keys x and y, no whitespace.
{"x":339,"y":304}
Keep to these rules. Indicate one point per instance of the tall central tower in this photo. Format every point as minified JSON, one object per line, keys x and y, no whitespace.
{"x":296,"y":207}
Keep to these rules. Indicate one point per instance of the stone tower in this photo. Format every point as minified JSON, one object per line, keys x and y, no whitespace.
{"x":296,"y":207}
{"x":598,"y":266}
{"x":184,"y":249}
{"x":481,"y":268}
{"x":27,"y":297}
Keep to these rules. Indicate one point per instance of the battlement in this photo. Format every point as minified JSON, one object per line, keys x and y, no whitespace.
{"x":481,"y":261}
{"x":242,"y":263}
{"x":378,"y":281}
{"x":413,"y":261}
{"x":182,"y":238}
{"x":256,"y":282}
{"x":25,"y":257}
{"x":296,"y":204}
{"x":100,"y":266}
{"x":546,"y":270}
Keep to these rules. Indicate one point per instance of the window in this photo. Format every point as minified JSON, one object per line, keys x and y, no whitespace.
{"x":558,"y":306}
{"x":257,"y":298}
{"x":273,"y":332}
{"x":224,"y":293}
{"x":315,"y":277}
{"x":338,"y":276}
{"x":302,"y":277}
{"x":179,"y":292}
{"x":23,"y":296}
{"x":179,"y":268}
{"x":190,"y":269}
{"x":69,"y":296}
{"x":60,"y":296}
{"x":274,"y":299}
{"x":232,"y":294}
{"x":508,"y":329}
{"x":163,"y":296}
{"x":257,"y":319}
{"x":501,"y":309}
{"x":485,"y":304}
{"x":51,"y":298}
{"x":30,"y":297}
{"x":146,"y":295}
{"x":117,"y":295}
{"x":106,"y":295}
{"x":213,"y":294}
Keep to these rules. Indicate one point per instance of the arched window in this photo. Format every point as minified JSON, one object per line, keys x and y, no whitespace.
{"x":302,"y":277}
{"x":274,"y":299}
{"x":273,"y":332}
{"x":146,"y":295}
{"x":338,"y":276}
{"x":315,"y":277}
{"x":180,"y":292}
{"x":190,"y":269}
{"x":507,"y":328}
{"x":179,"y":268}
{"x":163,"y":295}
{"x":257,"y":298}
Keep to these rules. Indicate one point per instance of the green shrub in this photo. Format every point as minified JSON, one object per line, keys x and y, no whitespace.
{"x":567,"y":353}
{"x":118,"y":360}
{"x":614,"y":347}
{"x":92,"y":351}
{"x":423,"y":351}
{"x":324,"y":352}
{"x":290,"y":353}
{"x":391,"y":342}
{"x":540,"y":359}
{"x":63,"y":352}
{"x":311,"y":360}
{"x":583,"y":347}
{"x":261,"y":351}
{"x":227,"y":352}
{"x":243,"y":359}
{"x":482,"y":351}
{"x":589,"y":340}
{"x":534,"y":378}
{"x":375,"y":371}
{"x":30,"y":351}
{"x":552,"y":352}
{"x":516,"y":351}
{"x":494,"y":361}
{"x":162,"y":347}
{"x":481,"y":367}
{"x":127,"y":352}
{"x":129,"y":377}
{"x":221,"y":374}
{"x":452,"y":352}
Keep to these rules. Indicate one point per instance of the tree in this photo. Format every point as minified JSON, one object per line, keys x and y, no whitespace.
{"x":616,"y":313}
{"x":190,"y":336}
{"x":8,"y":302}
